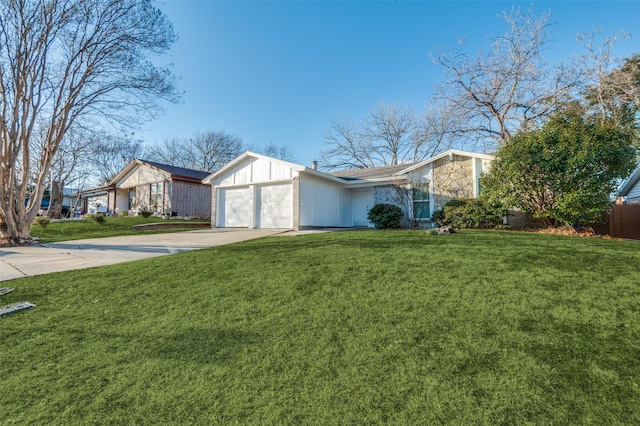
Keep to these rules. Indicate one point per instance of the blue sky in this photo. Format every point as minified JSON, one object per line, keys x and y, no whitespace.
{"x":281,"y":72}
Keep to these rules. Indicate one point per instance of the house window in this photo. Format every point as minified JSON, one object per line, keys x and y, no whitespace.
{"x":156,"y":195}
{"x":421,"y":208}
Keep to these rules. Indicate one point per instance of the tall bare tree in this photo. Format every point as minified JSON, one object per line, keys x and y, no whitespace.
{"x":391,"y":134}
{"x":611,"y":84}
{"x":110,"y":153}
{"x":508,"y":87}
{"x":62,"y":61}
{"x":205,"y":151}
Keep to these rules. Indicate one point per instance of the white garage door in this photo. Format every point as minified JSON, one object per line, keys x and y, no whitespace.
{"x":276,"y":206}
{"x":236,"y":208}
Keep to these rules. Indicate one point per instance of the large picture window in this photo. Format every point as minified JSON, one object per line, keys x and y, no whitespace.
{"x":421,"y":208}
{"x":156,"y":195}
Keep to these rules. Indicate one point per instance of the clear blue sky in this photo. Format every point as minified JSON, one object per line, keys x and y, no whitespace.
{"x":281,"y":72}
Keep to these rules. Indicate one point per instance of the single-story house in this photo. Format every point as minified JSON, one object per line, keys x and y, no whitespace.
{"x":256,"y":191}
{"x":630,"y":189}
{"x":154,"y":186}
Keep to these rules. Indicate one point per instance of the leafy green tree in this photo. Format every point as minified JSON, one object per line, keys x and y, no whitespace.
{"x":564,"y":172}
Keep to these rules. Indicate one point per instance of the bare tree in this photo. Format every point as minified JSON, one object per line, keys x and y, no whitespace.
{"x":71,"y":166}
{"x":110,"y":153}
{"x":391,"y":134}
{"x":612,"y":85}
{"x":205,"y":151}
{"x":509,"y":87}
{"x":281,"y":152}
{"x":62,"y":61}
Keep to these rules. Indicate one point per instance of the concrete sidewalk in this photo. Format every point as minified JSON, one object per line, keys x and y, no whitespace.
{"x":19,"y":262}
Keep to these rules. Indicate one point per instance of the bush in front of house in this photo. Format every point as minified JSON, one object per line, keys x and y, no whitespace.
{"x":144,"y":212}
{"x":386,"y":216}
{"x":466,"y":213}
{"x":98,"y":218}
{"x":43,"y":221}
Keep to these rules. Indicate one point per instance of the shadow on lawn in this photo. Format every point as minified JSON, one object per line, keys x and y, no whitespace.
{"x":202,"y":346}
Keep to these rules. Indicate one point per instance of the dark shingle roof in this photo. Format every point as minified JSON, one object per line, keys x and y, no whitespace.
{"x":373,"y":172}
{"x":179,"y":172}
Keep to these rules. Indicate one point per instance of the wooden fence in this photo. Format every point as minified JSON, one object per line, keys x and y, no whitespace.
{"x":623,"y":222}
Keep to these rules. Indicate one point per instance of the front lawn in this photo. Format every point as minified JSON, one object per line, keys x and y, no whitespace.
{"x":87,"y":228}
{"x":356,"y":327}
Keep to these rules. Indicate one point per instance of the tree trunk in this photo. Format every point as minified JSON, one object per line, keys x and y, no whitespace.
{"x":55,"y":200}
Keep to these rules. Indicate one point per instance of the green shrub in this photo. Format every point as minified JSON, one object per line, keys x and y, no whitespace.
{"x":470,"y":213}
{"x":98,"y":218}
{"x":386,"y":216}
{"x":438,"y":217}
{"x":43,"y":221}
{"x":144,"y":212}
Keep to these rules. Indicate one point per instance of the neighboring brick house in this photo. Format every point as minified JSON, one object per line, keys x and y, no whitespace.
{"x":158,"y":187}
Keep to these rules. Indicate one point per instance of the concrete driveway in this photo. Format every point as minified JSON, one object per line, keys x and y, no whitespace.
{"x":19,"y":262}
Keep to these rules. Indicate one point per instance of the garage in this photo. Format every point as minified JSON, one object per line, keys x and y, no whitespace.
{"x":235,"y":208}
{"x":275,"y":206}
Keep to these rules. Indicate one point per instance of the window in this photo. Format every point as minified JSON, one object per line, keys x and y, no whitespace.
{"x":421,"y":208}
{"x":156,"y":195}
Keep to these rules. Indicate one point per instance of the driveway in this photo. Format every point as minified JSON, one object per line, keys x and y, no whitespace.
{"x":19,"y":262}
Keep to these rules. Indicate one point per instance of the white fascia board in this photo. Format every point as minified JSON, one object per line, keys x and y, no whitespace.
{"x":323,"y":175}
{"x":360,"y":183}
{"x":445,"y":154}
{"x":245,"y":155}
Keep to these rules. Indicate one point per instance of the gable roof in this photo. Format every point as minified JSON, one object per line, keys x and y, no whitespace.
{"x":247,"y":154}
{"x":629,"y":183}
{"x":179,"y":173}
{"x":372,"y":172}
{"x":397,"y":170}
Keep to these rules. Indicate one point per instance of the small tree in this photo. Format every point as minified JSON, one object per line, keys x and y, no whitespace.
{"x":565,"y":172}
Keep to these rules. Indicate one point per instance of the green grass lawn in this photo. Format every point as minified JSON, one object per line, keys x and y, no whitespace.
{"x":81,"y":229}
{"x":357,"y":327}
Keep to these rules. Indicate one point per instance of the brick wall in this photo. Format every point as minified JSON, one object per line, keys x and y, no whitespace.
{"x":191,"y":199}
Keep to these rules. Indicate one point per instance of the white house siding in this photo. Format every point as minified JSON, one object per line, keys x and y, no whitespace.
{"x":362,"y":199}
{"x":255,"y":170}
{"x":323,"y":203}
{"x":188,"y":199}
{"x":633,"y":197}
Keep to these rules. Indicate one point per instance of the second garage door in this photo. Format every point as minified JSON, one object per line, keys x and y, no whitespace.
{"x":275,"y":207}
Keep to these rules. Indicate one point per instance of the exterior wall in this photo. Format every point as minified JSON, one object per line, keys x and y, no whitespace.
{"x":143,"y":196}
{"x":255,"y":170}
{"x":452,"y":178}
{"x":189,"y":199}
{"x":633,"y":197}
{"x":323,"y":203}
{"x":142,"y":175}
{"x":397,"y":195}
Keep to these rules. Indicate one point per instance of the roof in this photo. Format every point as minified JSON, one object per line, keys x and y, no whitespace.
{"x":397,"y":170}
{"x":629,"y":183}
{"x":179,"y":173}
{"x":373,"y":172}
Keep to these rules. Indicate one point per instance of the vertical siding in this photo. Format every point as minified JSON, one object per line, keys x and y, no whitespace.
{"x":322,"y":203}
